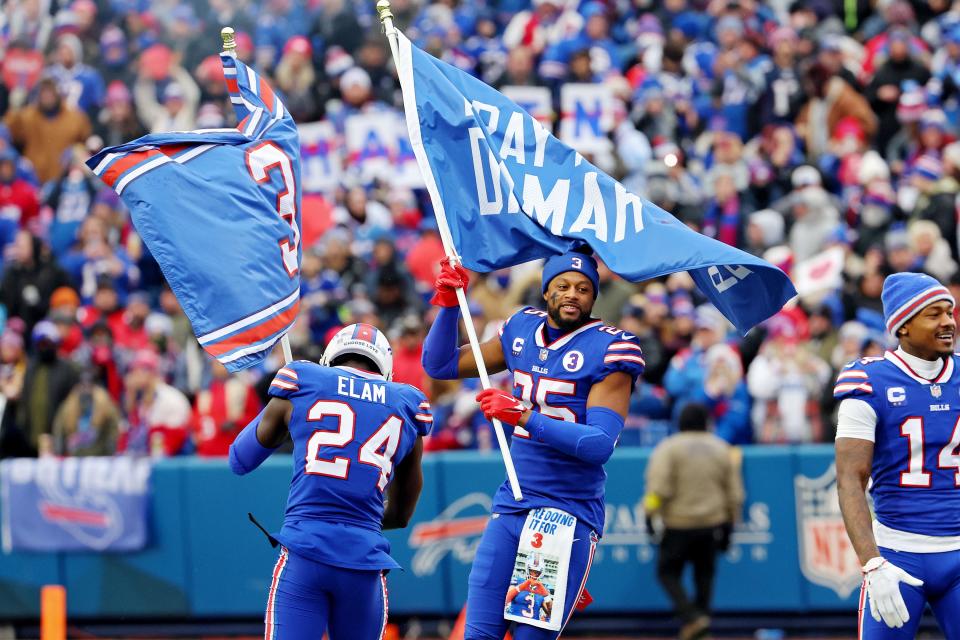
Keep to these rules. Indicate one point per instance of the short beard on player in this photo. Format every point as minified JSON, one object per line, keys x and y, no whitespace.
{"x":566,"y":325}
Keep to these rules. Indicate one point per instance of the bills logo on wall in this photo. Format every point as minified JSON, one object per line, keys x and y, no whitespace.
{"x":826,"y":556}
{"x":456,"y":531}
{"x":74,"y":504}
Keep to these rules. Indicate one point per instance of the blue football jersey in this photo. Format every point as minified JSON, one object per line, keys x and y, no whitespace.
{"x":349,"y":428}
{"x":555,"y":379}
{"x":916,"y":456}
{"x":527,"y":605}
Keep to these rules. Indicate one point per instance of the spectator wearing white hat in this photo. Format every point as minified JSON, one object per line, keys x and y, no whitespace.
{"x":932,"y":251}
{"x":786,"y":380}
{"x":548,"y":23}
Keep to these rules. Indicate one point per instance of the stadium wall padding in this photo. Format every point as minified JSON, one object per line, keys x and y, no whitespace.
{"x":206,"y":559}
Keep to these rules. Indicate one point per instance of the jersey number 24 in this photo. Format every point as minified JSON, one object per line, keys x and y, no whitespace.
{"x":377,"y":451}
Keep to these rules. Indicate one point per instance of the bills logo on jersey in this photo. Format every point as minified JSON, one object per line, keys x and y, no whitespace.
{"x":896,"y":396}
{"x":573,"y":361}
{"x":826,"y":556}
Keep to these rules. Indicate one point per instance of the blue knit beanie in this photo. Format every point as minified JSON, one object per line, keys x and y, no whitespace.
{"x":905,"y":294}
{"x":572,"y":261}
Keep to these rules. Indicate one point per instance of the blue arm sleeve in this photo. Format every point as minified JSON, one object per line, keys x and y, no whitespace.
{"x":246,"y":452}
{"x":592,"y":442}
{"x":441,"y":353}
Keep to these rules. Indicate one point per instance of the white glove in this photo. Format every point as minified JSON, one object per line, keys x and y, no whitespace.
{"x":883,"y":587}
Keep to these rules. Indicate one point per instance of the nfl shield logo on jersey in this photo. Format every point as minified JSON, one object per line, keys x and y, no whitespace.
{"x":543,"y":355}
{"x":935,"y":390}
{"x":826,"y":556}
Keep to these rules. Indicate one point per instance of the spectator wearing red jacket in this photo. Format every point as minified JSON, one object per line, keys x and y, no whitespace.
{"x":408,"y":352}
{"x":221,"y":410}
{"x":158,"y":415}
{"x":19,"y":202}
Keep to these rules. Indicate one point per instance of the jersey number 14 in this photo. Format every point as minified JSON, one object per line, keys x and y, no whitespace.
{"x":377,"y":451}
{"x":915,"y":476}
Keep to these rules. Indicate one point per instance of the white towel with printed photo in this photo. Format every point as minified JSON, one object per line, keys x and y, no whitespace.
{"x":539,"y":583}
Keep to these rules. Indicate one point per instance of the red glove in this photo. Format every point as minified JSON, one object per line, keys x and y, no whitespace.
{"x":450,"y":279}
{"x":500,"y":405}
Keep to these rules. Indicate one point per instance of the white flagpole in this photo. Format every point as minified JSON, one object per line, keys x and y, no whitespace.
{"x":386,"y":17}
{"x":230,"y":47}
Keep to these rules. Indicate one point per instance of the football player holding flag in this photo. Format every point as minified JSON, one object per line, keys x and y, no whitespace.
{"x":572,"y":379}
{"x":356,"y":435}
{"x":899,"y":427}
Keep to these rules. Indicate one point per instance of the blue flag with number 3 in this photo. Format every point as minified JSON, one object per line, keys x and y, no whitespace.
{"x":220,"y":211}
{"x":511,"y":192}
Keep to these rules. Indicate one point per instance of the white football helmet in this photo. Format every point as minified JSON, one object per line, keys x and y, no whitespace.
{"x":535,"y":563}
{"x":363,"y":340}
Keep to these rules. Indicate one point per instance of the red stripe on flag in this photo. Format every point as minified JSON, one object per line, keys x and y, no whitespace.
{"x":255,"y":333}
{"x":124,"y":164}
{"x":232,"y":86}
{"x":266,"y":93}
{"x":174,"y":149}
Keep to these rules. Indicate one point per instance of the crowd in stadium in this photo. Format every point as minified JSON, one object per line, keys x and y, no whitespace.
{"x":785,"y":129}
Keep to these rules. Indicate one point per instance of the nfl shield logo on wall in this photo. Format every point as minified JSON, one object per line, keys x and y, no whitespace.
{"x":543,"y":355}
{"x":826,"y":555}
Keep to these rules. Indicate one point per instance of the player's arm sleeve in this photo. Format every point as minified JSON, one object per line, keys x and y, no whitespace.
{"x":247,"y":453}
{"x":856,"y":419}
{"x":623,"y":355}
{"x":441,"y":353}
{"x":592,"y":442}
{"x":286,"y":383}
{"x":422,"y":414}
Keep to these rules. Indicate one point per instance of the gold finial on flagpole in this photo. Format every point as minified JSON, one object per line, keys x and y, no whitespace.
{"x":229,"y":39}
{"x":383,"y":10}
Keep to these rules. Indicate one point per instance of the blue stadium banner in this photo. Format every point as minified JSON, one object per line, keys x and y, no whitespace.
{"x":512,"y":192}
{"x":74,"y":504}
{"x":220,"y":211}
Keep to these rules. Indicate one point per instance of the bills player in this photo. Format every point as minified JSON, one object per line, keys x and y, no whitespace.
{"x":356,"y":436}
{"x":528,"y":598}
{"x":572,"y":379}
{"x":899,"y":427}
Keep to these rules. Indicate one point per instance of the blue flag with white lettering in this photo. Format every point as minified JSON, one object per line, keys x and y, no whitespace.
{"x":511,"y":192}
{"x":220,"y":211}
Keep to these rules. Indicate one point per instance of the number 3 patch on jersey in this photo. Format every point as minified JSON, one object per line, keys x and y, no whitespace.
{"x":541,"y":568}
